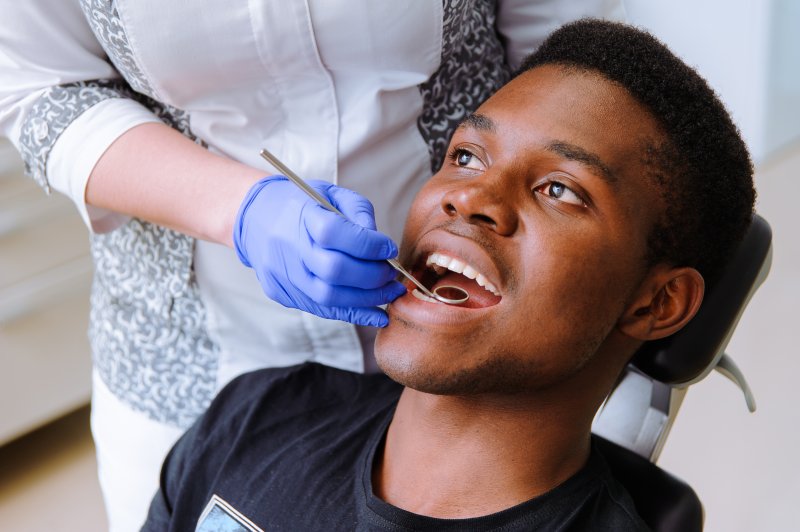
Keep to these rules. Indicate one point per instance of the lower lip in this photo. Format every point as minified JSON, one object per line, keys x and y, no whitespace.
{"x":415,"y":310}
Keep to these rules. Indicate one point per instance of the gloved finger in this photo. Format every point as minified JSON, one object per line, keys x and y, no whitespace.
{"x":353,"y":205}
{"x":293,"y":298}
{"x":369,"y":316}
{"x":323,"y":293}
{"x":331,"y":231}
{"x":337,"y":268}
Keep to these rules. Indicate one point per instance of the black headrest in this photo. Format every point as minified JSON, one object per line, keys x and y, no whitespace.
{"x":694,"y":350}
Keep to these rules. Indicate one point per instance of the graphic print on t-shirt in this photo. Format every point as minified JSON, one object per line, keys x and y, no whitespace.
{"x":219,"y":516}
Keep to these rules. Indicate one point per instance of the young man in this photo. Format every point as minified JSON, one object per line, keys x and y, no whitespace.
{"x":582,"y":206}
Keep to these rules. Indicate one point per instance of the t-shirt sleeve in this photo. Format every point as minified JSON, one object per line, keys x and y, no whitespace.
{"x":524,"y":24}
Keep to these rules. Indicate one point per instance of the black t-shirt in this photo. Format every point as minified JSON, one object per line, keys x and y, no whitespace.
{"x":292,"y":449}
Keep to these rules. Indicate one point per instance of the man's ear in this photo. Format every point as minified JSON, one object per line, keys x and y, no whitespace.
{"x":666,"y":300}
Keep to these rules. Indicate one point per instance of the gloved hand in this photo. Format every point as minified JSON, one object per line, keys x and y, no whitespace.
{"x":312,"y":259}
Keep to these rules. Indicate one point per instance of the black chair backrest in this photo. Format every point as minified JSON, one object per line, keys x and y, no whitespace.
{"x":692,"y":352}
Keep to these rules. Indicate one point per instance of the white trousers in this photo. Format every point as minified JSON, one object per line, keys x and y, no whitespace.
{"x":130,"y":449}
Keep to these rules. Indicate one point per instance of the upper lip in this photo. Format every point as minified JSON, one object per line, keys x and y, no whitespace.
{"x":462,"y":248}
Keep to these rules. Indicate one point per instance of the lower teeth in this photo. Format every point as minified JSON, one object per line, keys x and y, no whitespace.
{"x":419,"y":295}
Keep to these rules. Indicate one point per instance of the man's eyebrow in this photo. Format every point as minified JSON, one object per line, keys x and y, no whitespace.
{"x":478,"y":121}
{"x":576,"y":153}
{"x":562,"y":148}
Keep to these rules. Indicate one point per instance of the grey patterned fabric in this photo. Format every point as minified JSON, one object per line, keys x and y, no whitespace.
{"x":106,"y":25}
{"x":473,"y":67}
{"x":147,"y":323}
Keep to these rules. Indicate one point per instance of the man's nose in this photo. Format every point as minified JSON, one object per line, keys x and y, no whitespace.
{"x":482,"y":204}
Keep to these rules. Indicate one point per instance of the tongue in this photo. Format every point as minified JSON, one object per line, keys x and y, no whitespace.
{"x":479,"y":297}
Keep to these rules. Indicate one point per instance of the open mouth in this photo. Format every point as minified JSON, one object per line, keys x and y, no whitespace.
{"x":442,"y":270}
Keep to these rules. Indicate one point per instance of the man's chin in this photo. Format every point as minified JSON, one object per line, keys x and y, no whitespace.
{"x":411,"y":357}
{"x":425,"y":382}
{"x":490,"y":374}
{"x":433,"y":375}
{"x":414,"y":371}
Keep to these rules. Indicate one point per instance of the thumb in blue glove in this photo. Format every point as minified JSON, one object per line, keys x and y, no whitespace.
{"x":309,"y":258}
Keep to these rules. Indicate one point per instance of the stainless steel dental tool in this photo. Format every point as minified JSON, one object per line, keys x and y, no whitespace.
{"x":460,"y":293}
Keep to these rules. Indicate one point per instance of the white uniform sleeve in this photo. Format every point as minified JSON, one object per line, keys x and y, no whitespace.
{"x":524,"y":24}
{"x":61,"y":102}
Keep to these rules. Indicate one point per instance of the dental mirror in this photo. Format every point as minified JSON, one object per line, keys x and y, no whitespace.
{"x":451,"y":295}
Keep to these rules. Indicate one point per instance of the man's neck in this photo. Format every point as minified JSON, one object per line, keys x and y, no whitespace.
{"x":456,"y":457}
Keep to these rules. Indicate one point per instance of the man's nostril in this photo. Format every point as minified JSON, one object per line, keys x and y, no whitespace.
{"x":450,"y":208}
{"x":482,"y":218}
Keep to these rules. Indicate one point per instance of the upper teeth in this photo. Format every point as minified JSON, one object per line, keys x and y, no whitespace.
{"x":461,"y":267}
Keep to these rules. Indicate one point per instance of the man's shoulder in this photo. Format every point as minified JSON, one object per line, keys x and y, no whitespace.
{"x":592,"y":499}
{"x":619,"y":509}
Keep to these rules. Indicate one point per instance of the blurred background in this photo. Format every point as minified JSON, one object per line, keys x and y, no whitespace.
{"x":743,"y":466}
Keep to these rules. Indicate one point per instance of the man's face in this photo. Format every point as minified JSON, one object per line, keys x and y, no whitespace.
{"x":544,"y":196}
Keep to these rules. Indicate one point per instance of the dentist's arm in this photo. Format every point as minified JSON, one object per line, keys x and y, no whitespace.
{"x":154,"y":173}
{"x":304,"y":256}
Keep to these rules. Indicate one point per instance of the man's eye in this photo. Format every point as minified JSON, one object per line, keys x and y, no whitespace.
{"x":465,"y":159}
{"x":561,"y":192}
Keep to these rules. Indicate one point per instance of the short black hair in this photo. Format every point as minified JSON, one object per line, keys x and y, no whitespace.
{"x":703,"y":170}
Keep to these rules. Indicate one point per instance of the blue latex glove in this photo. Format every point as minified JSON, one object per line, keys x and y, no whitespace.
{"x":312,"y":259}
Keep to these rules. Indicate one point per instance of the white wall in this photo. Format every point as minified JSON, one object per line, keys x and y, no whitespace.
{"x":746,"y":467}
{"x":783,"y":92}
{"x":747,"y":50}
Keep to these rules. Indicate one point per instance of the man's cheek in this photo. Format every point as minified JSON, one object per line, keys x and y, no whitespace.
{"x":421,"y":211}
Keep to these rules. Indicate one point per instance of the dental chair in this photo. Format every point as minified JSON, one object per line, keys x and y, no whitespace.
{"x":634,"y":421}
